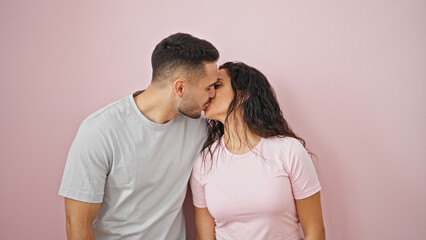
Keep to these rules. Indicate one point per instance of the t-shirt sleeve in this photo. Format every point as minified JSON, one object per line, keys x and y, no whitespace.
{"x":87,"y":167}
{"x":197,"y":187}
{"x":302,"y":172}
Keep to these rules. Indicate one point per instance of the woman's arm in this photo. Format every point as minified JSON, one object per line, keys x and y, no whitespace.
{"x":310,"y":216}
{"x":204,"y":222}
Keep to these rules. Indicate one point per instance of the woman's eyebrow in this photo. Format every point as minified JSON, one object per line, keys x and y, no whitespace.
{"x":212,"y":84}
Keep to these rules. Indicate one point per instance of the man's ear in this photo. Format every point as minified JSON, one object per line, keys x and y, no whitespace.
{"x":179,"y":86}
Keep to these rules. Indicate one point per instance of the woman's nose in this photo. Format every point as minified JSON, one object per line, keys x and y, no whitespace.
{"x":212,"y":93}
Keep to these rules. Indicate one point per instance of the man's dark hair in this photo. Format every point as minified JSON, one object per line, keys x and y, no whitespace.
{"x":181,"y":53}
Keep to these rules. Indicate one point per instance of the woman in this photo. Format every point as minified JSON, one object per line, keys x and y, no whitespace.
{"x":254,"y":179}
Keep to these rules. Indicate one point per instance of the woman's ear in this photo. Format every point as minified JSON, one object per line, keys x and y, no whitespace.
{"x":179,"y":87}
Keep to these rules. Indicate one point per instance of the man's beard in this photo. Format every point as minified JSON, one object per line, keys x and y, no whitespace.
{"x":189,"y":107}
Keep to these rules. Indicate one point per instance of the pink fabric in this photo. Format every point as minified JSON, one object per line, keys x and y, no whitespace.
{"x":251,"y":196}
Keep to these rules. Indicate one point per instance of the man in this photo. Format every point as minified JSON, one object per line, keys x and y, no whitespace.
{"x":127,"y":170}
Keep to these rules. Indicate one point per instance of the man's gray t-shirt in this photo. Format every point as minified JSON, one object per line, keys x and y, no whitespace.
{"x":136,"y":168}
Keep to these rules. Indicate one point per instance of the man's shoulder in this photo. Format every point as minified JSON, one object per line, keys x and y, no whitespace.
{"x":108,"y":114}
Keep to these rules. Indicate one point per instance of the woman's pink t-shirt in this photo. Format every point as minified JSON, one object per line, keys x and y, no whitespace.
{"x":251,"y":196}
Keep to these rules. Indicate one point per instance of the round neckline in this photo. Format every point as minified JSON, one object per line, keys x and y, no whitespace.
{"x":243,"y":155}
{"x":149,"y":123}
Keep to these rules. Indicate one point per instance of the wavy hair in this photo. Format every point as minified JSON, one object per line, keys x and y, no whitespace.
{"x":256,"y":98}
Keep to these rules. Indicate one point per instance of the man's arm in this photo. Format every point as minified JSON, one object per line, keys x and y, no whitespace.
{"x":80,"y":216}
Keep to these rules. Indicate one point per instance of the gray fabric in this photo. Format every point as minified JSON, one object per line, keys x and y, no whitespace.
{"x":138,"y":169}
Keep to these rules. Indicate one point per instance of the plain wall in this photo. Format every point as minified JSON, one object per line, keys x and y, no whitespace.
{"x":350,"y":77}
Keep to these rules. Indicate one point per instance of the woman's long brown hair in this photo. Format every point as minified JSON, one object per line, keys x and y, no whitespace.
{"x":261,"y":112}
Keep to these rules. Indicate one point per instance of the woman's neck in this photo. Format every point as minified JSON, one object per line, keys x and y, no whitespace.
{"x":238,"y":138}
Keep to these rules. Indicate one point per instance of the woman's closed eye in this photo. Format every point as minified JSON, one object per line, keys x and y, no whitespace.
{"x":216,"y":86}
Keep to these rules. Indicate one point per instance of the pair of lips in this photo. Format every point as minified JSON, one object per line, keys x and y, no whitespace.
{"x":206,"y":105}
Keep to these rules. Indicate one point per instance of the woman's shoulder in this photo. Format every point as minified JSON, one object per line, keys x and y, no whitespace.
{"x":284,"y":146}
{"x":282,"y":141}
{"x":207,"y":154}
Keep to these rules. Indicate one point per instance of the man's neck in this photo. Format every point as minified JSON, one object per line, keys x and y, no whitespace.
{"x":156,"y":104}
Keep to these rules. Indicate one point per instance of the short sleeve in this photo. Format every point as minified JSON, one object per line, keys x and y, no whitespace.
{"x":302,"y":172}
{"x":197,"y":187}
{"x":87,"y":167}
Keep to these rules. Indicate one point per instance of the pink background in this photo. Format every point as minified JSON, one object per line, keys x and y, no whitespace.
{"x":350,"y":76}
